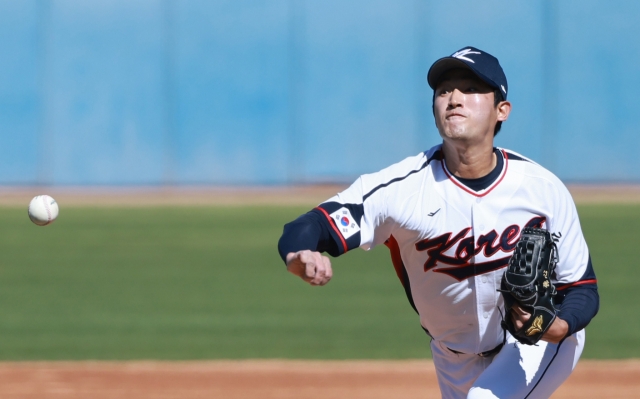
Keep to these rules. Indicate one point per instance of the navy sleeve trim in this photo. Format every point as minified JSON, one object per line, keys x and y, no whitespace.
{"x":308,"y":231}
{"x":334,"y":230}
{"x":579,"y":302}
{"x":356,"y":210}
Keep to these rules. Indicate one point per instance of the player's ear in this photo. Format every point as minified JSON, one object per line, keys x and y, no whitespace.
{"x":504,"y":109}
{"x":433,"y":103}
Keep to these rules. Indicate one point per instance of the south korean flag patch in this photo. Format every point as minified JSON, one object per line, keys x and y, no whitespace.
{"x":345,"y":222}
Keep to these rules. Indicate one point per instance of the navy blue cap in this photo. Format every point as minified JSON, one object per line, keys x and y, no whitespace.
{"x":484,"y":65}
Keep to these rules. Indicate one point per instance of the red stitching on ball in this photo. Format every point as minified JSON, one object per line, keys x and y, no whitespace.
{"x":46,"y":206}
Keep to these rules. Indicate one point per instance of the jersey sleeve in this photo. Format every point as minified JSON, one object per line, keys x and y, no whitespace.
{"x":574,"y":264}
{"x":365,"y":214}
{"x":578,"y":300}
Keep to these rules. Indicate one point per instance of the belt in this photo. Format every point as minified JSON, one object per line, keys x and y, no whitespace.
{"x":488,"y":353}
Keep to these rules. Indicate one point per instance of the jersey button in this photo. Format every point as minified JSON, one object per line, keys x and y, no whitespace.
{"x":484,"y":279}
{"x":486,"y":315}
{"x":478,"y":200}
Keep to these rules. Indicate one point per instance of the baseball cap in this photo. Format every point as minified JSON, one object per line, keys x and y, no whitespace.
{"x":483,"y":64}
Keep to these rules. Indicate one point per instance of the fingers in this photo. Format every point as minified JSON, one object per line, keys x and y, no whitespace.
{"x":519,"y":316}
{"x":320,"y":273}
{"x":317,"y":268}
{"x":311,"y":266}
{"x":327,"y":264}
{"x":516,"y":308}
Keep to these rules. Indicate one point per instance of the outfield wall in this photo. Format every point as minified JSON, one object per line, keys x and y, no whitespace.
{"x":153,"y":92}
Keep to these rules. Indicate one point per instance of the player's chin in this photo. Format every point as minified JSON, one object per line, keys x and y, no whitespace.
{"x":453,"y":132}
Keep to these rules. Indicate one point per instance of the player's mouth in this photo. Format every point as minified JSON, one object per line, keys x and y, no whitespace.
{"x":455,"y":116}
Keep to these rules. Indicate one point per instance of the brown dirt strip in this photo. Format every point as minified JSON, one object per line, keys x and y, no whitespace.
{"x":245,"y":196}
{"x":172,"y":196}
{"x":265,"y":379}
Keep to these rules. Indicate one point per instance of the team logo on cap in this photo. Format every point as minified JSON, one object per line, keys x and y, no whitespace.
{"x":345,"y":222}
{"x":462,"y":54}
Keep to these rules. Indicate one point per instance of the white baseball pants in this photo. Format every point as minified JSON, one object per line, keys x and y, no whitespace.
{"x":516,"y":372}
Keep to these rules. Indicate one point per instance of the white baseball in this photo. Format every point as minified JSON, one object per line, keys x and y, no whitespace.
{"x":43,"y":210}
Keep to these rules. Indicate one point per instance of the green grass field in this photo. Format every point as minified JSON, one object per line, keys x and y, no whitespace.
{"x":207,"y":283}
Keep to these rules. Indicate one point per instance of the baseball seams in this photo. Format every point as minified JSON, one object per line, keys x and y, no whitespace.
{"x":46,"y":206}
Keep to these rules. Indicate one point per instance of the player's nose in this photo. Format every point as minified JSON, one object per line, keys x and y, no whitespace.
{"x":455,"y":98}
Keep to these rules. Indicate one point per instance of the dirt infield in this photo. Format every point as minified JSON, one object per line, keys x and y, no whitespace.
{"x":242,"y":196}
{"x":265,"y":379}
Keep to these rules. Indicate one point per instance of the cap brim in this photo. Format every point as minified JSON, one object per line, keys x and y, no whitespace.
{"x":443,"y":65}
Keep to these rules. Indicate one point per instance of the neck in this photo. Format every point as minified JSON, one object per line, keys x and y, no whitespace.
{"x":469,"y":162}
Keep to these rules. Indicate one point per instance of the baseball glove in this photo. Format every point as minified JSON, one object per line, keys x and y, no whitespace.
{"x":527,"y":282}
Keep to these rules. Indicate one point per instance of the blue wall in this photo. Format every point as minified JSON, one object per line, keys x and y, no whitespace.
{"x":288,"y":91}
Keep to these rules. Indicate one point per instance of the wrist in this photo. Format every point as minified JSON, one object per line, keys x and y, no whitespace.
{"x":557,"y":331}
{"x":290,"y":257}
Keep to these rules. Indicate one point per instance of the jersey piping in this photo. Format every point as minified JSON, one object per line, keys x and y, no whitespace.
{"x":588,"y":277}
{"x":400,"y":269}
{"x":437,"y":155}
{"x":495,"y":184}
{"x":482,"y":183}
{"x":335,"y":228}
{"x":515,"y":157}
{"x":564,"y":287}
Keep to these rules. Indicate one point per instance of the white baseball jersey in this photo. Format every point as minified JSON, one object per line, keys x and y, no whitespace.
{"x":450,"y":244}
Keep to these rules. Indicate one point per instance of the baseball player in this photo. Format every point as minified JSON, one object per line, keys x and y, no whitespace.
{"x":451,"y":217}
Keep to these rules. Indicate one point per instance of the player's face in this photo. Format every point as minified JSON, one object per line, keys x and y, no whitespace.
{"x":464,"y":107}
